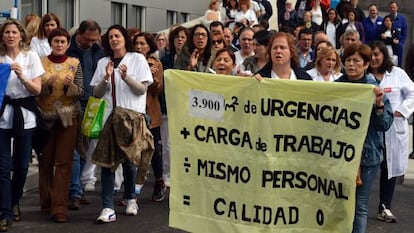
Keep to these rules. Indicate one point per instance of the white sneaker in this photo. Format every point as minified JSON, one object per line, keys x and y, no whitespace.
{"x":89,"y":187}
{"x":107,"y":215}
{"x":131,"y":207}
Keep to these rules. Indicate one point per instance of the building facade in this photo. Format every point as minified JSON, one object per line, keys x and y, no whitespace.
{"x":155,"y":15}
{"x":148,"y":15}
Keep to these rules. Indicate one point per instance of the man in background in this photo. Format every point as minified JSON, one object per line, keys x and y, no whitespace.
{"x":85,"y":46}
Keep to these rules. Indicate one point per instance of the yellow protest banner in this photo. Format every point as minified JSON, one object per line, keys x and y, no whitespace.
{"x":264,"y":156}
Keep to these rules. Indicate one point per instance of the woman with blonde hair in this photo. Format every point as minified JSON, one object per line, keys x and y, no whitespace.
{"x":213,"y":12}
{"x":327,"y":65}
{"x":217,"y":41}
{"x":19,"y":116}
{"x":246,"y":13}
{"x":32,"y":23}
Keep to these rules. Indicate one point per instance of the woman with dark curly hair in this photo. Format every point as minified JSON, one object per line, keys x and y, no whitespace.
{"x":399,"y":89}
{"x":121,"y":79}
{"x":196,"y":54}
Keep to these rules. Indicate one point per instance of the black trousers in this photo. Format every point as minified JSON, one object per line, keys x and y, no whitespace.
{"x":387,"y":187}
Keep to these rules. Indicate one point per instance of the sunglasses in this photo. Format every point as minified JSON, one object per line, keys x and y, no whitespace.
{"x":217,"y":41}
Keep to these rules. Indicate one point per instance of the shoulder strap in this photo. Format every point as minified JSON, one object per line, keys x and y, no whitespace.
{"x":113,"y":90}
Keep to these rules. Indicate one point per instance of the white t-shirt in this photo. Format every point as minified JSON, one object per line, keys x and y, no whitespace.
{"x":41,"y":47}
{"x":138,"y":69}
{"x":331,"y":33}
{"x":32,"y":68}
{"x":240,"y":58}
{"x":317,"y":16}
{"x":316,"y":76}
{"x":249,"y":15}
{"x":291,"y":77}
{"x":254,"y":6}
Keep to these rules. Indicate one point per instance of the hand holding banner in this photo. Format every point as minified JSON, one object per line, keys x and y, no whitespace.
{"x":268,"y":156}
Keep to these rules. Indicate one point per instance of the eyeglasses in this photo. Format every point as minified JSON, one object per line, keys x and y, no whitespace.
{"x":217,"y":41}
{"x":199,"y":34}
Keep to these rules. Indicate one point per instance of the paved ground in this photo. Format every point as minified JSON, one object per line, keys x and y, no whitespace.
{"x":153,"y":217}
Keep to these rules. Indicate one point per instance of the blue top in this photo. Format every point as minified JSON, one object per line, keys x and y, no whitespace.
{"x":372,"y":30}
{"x":372,"y":152}
{"x":88,"y":59}
{"x":400,"y":24}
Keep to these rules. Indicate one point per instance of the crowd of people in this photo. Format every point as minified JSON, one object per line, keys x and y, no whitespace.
{"x":334,"y":20}
{"x":54,"y":73}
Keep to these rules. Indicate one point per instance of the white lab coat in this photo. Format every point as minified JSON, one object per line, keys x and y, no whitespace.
{"x":399,"y":89}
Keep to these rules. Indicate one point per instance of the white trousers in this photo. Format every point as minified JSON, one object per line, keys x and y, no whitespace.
{"x":165,"y":140}
{"x":88,"y":172}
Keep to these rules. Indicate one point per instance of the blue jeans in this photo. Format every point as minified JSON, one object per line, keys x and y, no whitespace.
{"x":368,"y":175}
{"x":108,"y":182}
{"x":11,"y":190}
{"x":75,"y":188}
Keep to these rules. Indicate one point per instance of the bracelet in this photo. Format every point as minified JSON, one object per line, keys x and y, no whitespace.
{"x":106,"y":81}
{"x":380,"y":107}
{"x":23,"y":81}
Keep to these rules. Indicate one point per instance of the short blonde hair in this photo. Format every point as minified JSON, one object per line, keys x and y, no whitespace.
{"x":325,"y":52}
{"x":212,"y":3}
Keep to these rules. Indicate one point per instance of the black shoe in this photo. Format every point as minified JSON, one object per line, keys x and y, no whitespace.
{"x":17,"y":215}
{"x":158,"y":194}
{"x":84,"y":201}
{"x":411,"y":156}
{"x":5,"y":225}
{"x":74,"y":203}
{"x":400,"y":179}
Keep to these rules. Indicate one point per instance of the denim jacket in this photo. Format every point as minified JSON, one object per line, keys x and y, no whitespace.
{"x":372,"y":152}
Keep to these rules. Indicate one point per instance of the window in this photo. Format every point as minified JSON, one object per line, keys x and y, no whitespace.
{"x":184,"y":17}
{"x":137,"y":17}
{"x":30,"y":7}
{"x":65,"y":9}
{"x":118,"y":13}
{"x":171,"y":17}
